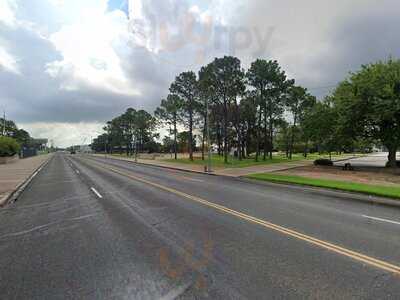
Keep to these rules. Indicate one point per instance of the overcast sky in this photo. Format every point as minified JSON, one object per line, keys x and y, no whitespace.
{"x":67,"y":66}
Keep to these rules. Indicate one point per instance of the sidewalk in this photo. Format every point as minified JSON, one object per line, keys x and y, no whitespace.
{"x":232,"y":172}
{"x":13,"y":175}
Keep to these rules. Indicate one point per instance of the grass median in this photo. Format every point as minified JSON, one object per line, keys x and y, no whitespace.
{"x":376,"y":190}
{"x":278,"y":158}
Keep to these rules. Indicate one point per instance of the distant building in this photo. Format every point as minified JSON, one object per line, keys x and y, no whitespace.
{"x":85,"y":149}
{"x":39,"y":144}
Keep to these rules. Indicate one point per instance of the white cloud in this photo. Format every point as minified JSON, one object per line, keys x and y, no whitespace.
{"x":69,"y":61}
{"x":8,"y":62}
{"x":64,"y":134}
{"x":7,"y":11}
{"x":90,"y":51}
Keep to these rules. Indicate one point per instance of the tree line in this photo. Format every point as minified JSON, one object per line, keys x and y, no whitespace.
{"x":9,"y":129}
{"x":14,"y":140}
{"x":260,"y":110}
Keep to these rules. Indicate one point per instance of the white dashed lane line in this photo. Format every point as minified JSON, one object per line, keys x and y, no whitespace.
{"x":96,"y":192}
{"x":381,"y":220}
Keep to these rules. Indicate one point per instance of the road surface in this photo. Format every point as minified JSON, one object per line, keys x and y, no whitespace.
{"x":95,"y":228}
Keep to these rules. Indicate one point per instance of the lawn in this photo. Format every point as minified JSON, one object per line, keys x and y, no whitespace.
{"x":218,"y":161}
{"x":384,"y":191}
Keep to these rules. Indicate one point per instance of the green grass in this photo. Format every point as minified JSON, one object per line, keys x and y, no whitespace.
{"x":218,"y":161}
{"x":384,"y":191}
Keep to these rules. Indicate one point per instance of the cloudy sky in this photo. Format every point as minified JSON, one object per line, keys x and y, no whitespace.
{"x":67,"y":66}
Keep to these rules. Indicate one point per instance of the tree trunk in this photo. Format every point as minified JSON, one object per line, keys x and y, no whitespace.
{"x":306,"y":150}
{"x":219,"y":138}
{"x":392,"y":157}
{"x":203,"y":140}
{"x":225,"y":130}
{"x":292,"y":137}
{"x":240,"y":147}
{"x":287,"y":148}
{"x":265,"y":133}
{"x":244,"y":147}
{"x":238,"y":130}
{"x":175,"y":141}
{"x":258,"y":128}
{"x":247,"y":145}
{"x":271,"y":137}
{"x":191,"y":135}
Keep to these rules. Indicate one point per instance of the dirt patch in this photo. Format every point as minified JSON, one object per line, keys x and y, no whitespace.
{"x":378,"y":176}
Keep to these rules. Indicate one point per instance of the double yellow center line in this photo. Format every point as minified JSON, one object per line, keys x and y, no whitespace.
{"x":380,"y":264}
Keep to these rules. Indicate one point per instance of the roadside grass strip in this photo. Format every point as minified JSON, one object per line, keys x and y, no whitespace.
{"x":376,"y":190}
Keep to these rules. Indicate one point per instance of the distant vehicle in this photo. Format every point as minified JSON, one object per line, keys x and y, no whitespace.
{"x":73,"y":152}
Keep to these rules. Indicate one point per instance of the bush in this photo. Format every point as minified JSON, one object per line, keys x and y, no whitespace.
{"x":8,"y":146}
{"x":323,"y":162}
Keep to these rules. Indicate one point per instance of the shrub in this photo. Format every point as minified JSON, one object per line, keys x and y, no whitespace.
{"x":8,"y":146}
{"x":323,"y":162}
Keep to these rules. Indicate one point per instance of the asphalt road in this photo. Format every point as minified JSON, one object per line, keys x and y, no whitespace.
{"x":93,"y":228}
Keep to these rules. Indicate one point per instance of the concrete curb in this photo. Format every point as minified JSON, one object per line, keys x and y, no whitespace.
{"x":342,"y":195}
{"x":13,"y":196}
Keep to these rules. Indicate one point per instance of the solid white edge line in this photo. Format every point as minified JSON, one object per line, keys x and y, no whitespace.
{"x":382,"y":220}
{"x":96,"y":192}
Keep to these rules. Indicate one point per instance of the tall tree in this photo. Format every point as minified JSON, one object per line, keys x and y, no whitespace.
{"x":10,"y":128}
{"x":129,"y":128}
{"x":248,"y":108}
{"x":369,"y":105}
{"x":321,"y":124}
{"x":186,"y":87}
{"x":227,"y":82}
{"x":208,"y":101}
{"x":23,"y":137}
{"x":271,"y":84}
{"x":145,"y":128}
{"x":168,"y":113}
{"x":297,"y":102}
{"x":117,"y":134}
